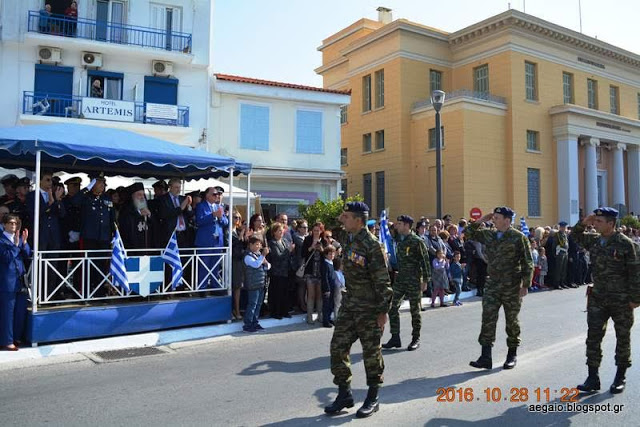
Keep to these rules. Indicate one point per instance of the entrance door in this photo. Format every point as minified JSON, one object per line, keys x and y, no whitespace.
{"x":168,"y":20}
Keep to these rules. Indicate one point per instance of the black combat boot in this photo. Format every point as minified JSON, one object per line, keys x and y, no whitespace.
{"x":593,"y":381}
{"x":484,"y":361}
{"x":343,"y":400}
{"x":415,"y":343}
{"x":394,"y":342}
{"x":511,"y":361}
{"x":619,"y":382}
{"x":370,"y":404}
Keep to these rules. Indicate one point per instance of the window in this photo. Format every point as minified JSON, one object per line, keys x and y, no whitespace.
{"x":380,"y":202}
{"x":533,"y":191}
{"x":343,"y":186}
{"x":435,"y":80}
{"x":104,"y":84}
{"x":614,"y":99}
{"x":530,"y":81}
{"x":160,"y":90}
{"x":432,"y":138}
{"x":309,"y":132}
{"x":113,"y":12}
{"x":254,"y":127}
{"x":343,"y":114}
{"x":52,"y":90}
{"x":366,"y":143}
{"x":481,"y":79}
{"x":592,"y":94}
{"x":533,"y":142}
{"x":567,"y":88}
{"x":380,"y":140}
{"x":169,"y":20}
{"x":343,"y":157}
{"x":366,"y":93}
{"x":379,"y":88}
{"x":366,"y":188}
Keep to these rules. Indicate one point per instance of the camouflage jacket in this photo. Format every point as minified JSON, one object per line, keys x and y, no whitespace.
{"x":510,"y":261}
{"x":413,"y":259}
{"x":615,"y":263}
{"x":367,"y":279}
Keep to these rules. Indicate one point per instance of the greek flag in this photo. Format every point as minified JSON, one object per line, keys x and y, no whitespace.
{"x":118,"y":257}
{"x":171,"y":256}
{"x":386,"y":240}
{"x":523,"y":227}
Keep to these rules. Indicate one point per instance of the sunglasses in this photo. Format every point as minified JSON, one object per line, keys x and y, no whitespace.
{"x":12,"y":222}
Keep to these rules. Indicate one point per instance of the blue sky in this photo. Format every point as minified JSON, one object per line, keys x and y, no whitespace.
{"x":278,"y":39}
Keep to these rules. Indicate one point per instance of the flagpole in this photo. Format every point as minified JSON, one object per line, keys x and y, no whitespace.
{"x":230,"y":230}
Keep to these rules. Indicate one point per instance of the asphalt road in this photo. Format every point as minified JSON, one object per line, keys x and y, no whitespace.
{"x":281,"y":377}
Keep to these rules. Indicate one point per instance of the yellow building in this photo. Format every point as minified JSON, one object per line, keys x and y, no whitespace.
{"x":537,"y":117}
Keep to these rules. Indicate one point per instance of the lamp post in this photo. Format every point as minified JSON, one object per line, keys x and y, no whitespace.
{"x":437,"y":100}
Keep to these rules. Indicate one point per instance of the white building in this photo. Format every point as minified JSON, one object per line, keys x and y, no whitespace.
{"x":290,"y":134}
{"x":151,"y":61}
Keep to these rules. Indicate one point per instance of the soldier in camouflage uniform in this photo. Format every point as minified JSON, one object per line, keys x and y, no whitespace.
{"x":615,"y":294}
{"x":510,"y":270}
{"x":413,"y":269}
{"x":363,"y":312}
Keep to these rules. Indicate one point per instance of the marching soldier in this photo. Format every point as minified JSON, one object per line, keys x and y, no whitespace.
{"x":363,"y":312}
{"x":413,"y":270}
{"x":615,"y":294}
{"x":510,"y":270}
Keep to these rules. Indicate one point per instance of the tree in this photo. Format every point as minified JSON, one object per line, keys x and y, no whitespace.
{"x":326,"y":212}
{"x":630,"y":221}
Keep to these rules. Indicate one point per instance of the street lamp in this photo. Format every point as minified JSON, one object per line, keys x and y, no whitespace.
{"x":437,"y":100}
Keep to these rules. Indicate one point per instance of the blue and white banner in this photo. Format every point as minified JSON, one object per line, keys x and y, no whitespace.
{"x":523,"y":227}
{"x":386,"y":240}
{"x":171,"y":255}
{"x":118,"y":256}
{"x":145,"y":274}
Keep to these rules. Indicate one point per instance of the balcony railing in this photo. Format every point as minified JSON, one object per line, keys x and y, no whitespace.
{"x":464,"y":93}
{"x":57,"y":105}
{"x":109,"y":32}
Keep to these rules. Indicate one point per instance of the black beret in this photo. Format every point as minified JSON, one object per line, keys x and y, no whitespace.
{"x":196,"y":193}
{"x":160,"y":183}
{"x":218,"y":189}
{"x":97,"y":175}
{"x":563,"y":223}
{"x":606,"y":211}
{"x":504,"y":211}
{"x":136,"y":186}
{"x":356,"y":207}
{"x":23,"y":182}
{"x":406,"y":219}
{"x":74,"y":180}
{"x":10,"y":179}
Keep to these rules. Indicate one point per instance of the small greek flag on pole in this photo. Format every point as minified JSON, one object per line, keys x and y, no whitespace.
{"x":118,"y":269}
{"x":171,"y":256}
{"x":386,"y":240}
{"x":523,"y":227}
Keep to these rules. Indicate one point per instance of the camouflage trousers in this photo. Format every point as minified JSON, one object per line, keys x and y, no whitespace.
{"x":351,"y":326}
{"x":492,"y":300}
{"x":599,"y":309}
{"x":560,"y":275}
{"x":414,"y":293}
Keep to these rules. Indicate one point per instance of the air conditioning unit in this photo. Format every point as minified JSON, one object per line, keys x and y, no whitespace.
{"x":162,"y":68}
{"x":92,"y":59}
{"x":51,"y":55}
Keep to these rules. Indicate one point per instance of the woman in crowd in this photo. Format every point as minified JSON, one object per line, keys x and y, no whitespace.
{"x":312,"y":251}
{"x":440,"y":277}
{"x":71,"y":15}
{"x":14,"y":251}
{"x":257,"y":228}
{"x":280,"y":259}
{"x":298,"y":259}
{"x":239,"y":246}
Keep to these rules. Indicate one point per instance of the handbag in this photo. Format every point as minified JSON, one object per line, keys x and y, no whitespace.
{"x":303,"y":267}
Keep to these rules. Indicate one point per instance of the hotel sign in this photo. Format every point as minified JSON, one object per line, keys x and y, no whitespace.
{"x":108,"y":109}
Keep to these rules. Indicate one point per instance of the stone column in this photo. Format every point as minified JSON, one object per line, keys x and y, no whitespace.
{"x":567,"y":167}
{"x":618,"y":174}
{"x":590,"y":175}
{"x":633,"y":162}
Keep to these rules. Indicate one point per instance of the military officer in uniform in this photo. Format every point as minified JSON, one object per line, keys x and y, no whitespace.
{"x":510,"y":269}
{"x":413,"y":271}
{"x":561,"y":253}
{"x":19,"y":204}
{"x":363,"y":313}
{"x":9,"y":184}
{"x":615,"y":263}
{"x":71,"y":224}
{"x":134,"y":220}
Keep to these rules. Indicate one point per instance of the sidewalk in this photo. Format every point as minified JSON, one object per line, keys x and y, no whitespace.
{"x":75,"y":350}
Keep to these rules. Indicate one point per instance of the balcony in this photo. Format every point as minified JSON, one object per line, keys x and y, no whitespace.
{"x":109,"y":32}
{"x":465,"y":93}
{"x":57,"y":105}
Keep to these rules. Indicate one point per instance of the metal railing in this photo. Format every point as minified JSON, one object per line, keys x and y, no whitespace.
{"x":58,"y":105}
{"x":83,"y":276}
{"x":109,"y":32}
{"x":465,"y":93}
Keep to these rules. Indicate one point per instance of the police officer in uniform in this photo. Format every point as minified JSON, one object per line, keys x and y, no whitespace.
{"x":363,"y":313}
{"x":615,"y":263}
{"x":510,"y":270}
{"x":413,"y":271}
{"x":71,"y":224}
{"x":134,"y":220}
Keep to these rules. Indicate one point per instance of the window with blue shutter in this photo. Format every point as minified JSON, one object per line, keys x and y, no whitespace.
{"x":309,"y":132}
{"x":533,"y":191}
{"x":254,"y":127}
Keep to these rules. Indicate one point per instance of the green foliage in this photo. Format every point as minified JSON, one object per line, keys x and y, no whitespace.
{"x":630,"y":221}
{"x":326,"y":212}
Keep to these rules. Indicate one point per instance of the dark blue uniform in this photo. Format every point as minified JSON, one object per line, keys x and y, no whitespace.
{"x":97,"y":218}
{"x":50,"y":216}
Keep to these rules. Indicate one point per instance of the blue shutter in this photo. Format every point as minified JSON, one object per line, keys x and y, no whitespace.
{"x":254,"y":127}
{"x":309,"y":132}
{"x":533,"y":190}
{"x":160,"y":90}
{"x":53,"y":80}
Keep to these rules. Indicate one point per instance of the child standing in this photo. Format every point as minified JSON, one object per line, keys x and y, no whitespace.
{"x":535,"y":255}
{"x":340,"y":287}
{"x":456,"y":273}
{"x":440,"y":278}
{"x":544,"y":267}
{"x":328,"y":285}
{"x":256,"y":267}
